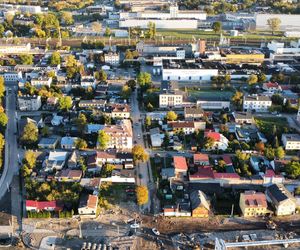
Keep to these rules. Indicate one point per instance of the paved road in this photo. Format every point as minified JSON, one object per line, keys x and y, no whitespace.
{"x":144,"y":174}
{"x":11,"y":150}
{"x":11,"y":160}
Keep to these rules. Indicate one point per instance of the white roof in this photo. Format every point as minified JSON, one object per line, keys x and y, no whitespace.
{"x":57,"y":156}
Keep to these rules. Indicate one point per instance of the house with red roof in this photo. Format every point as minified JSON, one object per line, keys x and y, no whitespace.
{"x":37,"y":206}
{"x":201,"y":159}
{"x":253,"y":203}
{"x":180,"y":166}
{"x":206,"y":174}
{"x":272,"y":87}
{"x":220,"y":141}
{"x":271,"y":178}
{"x":88,"y":205}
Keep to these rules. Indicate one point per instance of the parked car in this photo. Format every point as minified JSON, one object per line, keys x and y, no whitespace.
{"x":155,"y":231}
{"x":135,"y":225}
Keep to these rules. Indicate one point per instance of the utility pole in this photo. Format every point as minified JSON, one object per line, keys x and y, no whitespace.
{"x":232,"y":207}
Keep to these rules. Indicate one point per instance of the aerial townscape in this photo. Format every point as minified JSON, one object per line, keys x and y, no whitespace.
{"x":149,"y":125}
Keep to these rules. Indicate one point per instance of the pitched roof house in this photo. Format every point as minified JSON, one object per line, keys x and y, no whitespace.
{"x":88,"y":205}
{"x":282,"y":200}
{"x":253,"y":203}
{"x":200,"y":205}
{"x":36,"y":206}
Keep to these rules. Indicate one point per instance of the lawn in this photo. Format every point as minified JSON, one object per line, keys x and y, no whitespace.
{"x":265,"y":124}
{"x":220,"y":95}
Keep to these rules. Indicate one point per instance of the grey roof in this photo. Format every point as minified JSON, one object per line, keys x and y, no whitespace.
{"x":279,"y":192}
{"x":257,"y":98}
{"x":48,"y":140}
{"x":242,"y":115}
{"x":193,"y":111}
{"x":291,"y":137}
{"x":169,"y":172}
{"x":198,"y":198}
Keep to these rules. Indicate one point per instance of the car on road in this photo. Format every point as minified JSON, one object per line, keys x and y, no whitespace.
{"x":135,"y":142}
{"x":155,"y":231}
{"x":139,"y":136}
{"x":135,"y":226}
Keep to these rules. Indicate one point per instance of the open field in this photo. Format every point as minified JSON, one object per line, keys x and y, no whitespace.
{"x":222,"y":95}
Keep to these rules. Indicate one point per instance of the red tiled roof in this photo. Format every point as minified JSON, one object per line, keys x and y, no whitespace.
{"x":255,"y":199}
{"x":180,"y":163}
{"x":270,"y":173}
{"x":214,"y":135}
{"x":41,"y":205}
{"x":92,"y":201}
{"x":201,"y":157}
{"x":226,"y":176}
{"x":205,"y":172}
{"x":272,"y":85}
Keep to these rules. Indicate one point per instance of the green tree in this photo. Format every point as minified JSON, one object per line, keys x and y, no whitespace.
{"x":261,"y":77}
{"x":208,"y":142}
{"x":217,"y":27}
{"x":131,"y":84}
{"x":80,"y":144}
{"x":280,"y":153}
{"x":128,"y":54}
{"x":171,"y":116}
{"x":139,"y":154}
{"x":166,"y":140}
{"x":1,"y":30}
{"x":26,"y":59}
{"x":81,"y":122}
{"x":101,"y":75}
{"x":274,"y":24}
{"x":107,"y":32}
{"x":148,"y":121}
{"x":30,"y":134}
{"x":45,"y":131}
{"x":142,"y":195}
{"x":269,"y":153}
{"x":293,"y":169}
{"x":144,"y":80}
{"x":55,"y":58}
{"x":107,"y":170}
{"x":2,"y":86}
{"x":103,"y":140}
{"x":3,"y":119}
{"x":252,"y":79}
{"x":126,"y":92}
{"x":65,"y":103}
{"x":67,"y":18}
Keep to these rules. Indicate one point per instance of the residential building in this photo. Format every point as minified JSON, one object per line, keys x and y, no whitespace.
{"x":243,"y":117}
{"x":156,"y":137}
{"x":180,"y":166}
{"x":90,"y":104}
{"x":29,"y":103}
{"x":92,"y":184}
{"x":282,"y":200}
{"x":121,"y":176}
{"x":171,"y":99}
{"x":201,"y":159}
{"x":272,"y":87}
{"x":69,"y":175}
{"x":191,"y":113}
{"x":115,"y":157}
{"x":73,"y":159}
{"x":112,"y":58}
{"x":187,"y":127}
{"x":88,"y":205}
{"x":11,"y":76}
{"x":48,"y":143}
{"x":37,"y":206}
{"x":41,"y":81}
{"x":55,"y":161}
{"x":68,"y":142}
{"x":253,"y":203}
{"x":200,"y":206}
{"x":88,"y":81}
{"x":14,"y":48}
{"x":118,"y":111}
{"x":220,"y":141}
{"x":291,"y":141}
{"x":259,"y":103}
{"x":120,"y":135}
